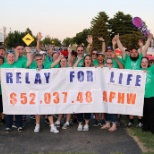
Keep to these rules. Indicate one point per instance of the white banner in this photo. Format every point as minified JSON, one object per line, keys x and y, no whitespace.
{"x":72,"y":90}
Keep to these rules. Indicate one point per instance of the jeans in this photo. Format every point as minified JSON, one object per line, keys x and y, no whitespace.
{"x":9,"y":121}
{"x":111,"y":118}
{"x":82,"y":116}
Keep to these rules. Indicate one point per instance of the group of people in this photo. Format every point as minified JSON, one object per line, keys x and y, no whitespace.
{"x":135,"y":59}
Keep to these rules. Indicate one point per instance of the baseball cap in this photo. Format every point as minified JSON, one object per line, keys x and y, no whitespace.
{"x":109,"y":48}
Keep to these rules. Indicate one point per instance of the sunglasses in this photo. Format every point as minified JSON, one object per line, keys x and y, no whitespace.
{"x":38,"y":59}
{"x":94,"y":53}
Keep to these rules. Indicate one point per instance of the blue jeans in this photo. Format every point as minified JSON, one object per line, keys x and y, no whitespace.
{"x":83,"y":116}
{"x":111,"y":118}
{"x":9,"y":121}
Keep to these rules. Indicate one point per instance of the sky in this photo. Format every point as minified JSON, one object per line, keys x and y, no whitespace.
{"x":64,"y":18}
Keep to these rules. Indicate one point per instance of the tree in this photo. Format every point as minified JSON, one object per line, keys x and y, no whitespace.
{"x":67,"y":41}
{"x":16,"y":37}
{"x":81,"y":37}
{"x":99,"y":27}
{"x":47,"y":40}
{"x":57,"y":42}
{"x":121,"y":24}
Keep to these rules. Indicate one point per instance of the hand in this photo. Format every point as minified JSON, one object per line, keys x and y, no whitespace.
{"x":114,"y":41}
{"x":90,"y":39}
{"x":79,"y":58}
{"x":101,"y":39}
{"x":39,"y":36}
{"x":114,"y":55}
{"x":61,"y":56}
{"x":69,"y":49}
{"x":150,"y":36}
{"x":116,"y":37}
{"x":140,"y":43}
{"x":28,"y":49}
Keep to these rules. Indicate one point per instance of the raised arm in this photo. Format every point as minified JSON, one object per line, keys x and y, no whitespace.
{"x":57,"y":60}
{"x":114,"y":42}
{"x":90,"y":42}
{"x":147,"y":44}
{"x":120,"y":46}
{"x":70,"y":63}
{"x":77,"y":62}
{"x":39,"y":37}
{"x":114,"y":56}
{"x":103,"y":44}
{"x":29,"y":56}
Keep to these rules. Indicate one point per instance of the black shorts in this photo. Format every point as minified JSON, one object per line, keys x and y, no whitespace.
{"x":1,"y":104}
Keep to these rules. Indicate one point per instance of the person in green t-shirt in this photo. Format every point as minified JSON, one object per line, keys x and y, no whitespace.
{"x":3,"y":52}
{"x":133,"y":61}
{"x":12,"y":63}
{"x":148,"y":108}
{"x":80,"y":56}
{"x":19,"y":52}
{"x":40,"y":65}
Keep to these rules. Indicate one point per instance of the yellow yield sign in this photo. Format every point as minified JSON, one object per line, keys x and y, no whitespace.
{"x":28,"y":39}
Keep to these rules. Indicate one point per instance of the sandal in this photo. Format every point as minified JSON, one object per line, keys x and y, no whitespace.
{"x":105,"y":127}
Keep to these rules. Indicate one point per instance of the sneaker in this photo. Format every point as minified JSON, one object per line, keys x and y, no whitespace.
{"x":80,"y":127}
{"x":54,"y":130}
{"x":130,"y":124}
{"x":71,"y":122}
{"x":102,"y":122}
{"x":20,"y":129}
{"x":86,"y":128}
{"x":57,"y":124}
{"x":47,"y":121}
{"x":37,"y":129}
{"x":140,"y":125}
{"x":65,"y":126}
{"x":7,"y":130}
{"x":14,"y":124}
{"x":96,"y":123}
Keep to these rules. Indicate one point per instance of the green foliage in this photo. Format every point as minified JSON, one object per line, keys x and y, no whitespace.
{"x":130,"y":40}
{"x":81,"y":37}
{"x":67,"y":41}
{"x":121,"y":24}
{"x":16,"y":37}
{"x":99,"y":27}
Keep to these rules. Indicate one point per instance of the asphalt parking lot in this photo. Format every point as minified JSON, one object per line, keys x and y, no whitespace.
{"x":95,"y":141}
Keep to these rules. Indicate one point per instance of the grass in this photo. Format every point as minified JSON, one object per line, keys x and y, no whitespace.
{"x":144,"y":139}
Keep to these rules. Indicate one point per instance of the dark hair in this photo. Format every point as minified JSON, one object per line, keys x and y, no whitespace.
{"x":18,"y":44}
{"x":54,"y":53}
{"x":147,"y":60}
{"x":38,"y":55}
{"x":60,"y":60}
{"x":133,"y":48}
{"x":2,"y":58}
{"x":1,"y":47}
{"x":84,"y":60}
{"x":74,"y":53}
